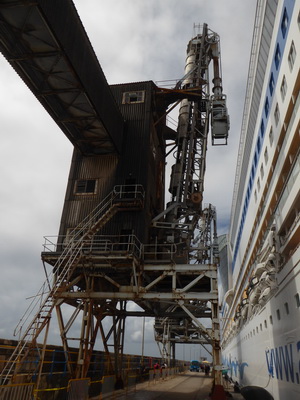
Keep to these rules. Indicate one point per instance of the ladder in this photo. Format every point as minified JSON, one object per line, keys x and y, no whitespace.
{"x":44,"y":302}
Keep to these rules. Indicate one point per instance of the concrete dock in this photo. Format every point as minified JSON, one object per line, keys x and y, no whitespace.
{"x":186,"y":386}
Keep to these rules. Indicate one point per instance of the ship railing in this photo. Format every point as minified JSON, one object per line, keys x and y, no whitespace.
{"x":290,"y":181}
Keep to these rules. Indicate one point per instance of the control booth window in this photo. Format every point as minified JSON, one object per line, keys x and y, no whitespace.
{"x":85,"y":186}
{"x":133,"y":97}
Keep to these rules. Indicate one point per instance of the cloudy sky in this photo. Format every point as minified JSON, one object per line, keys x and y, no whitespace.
{"x":134,"y":40}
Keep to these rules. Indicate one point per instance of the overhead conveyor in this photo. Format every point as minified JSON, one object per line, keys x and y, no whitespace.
{"x":47,"y":45}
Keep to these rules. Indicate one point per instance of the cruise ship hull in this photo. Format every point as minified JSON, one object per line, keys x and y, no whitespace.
{"x":260,"y":291}
{"x":266,"y":350}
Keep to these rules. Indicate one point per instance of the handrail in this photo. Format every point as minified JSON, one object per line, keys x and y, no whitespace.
{"x":43,"y":303}
{"x":101,"y":245}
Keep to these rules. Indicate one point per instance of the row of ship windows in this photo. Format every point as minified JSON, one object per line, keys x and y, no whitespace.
{"x":291,"y":61}
{"x":283,"y":90}
{"x":278,"y":317}
{"x":266,"y":158}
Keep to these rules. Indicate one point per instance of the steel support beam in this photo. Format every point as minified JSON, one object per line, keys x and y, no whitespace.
{"x":134,"y":296}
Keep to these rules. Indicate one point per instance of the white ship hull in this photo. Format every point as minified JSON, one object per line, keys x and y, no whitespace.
{"x":266,"y":351}
{"x":261,"y":306}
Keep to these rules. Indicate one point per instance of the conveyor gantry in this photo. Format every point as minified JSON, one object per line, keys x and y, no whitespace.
{"x":57,"y":62}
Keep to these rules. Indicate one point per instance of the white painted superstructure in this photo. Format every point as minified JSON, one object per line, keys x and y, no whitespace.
{"x":261,"y":308}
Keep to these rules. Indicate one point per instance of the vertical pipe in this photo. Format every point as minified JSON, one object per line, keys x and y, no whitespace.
{"x":143,"y":340}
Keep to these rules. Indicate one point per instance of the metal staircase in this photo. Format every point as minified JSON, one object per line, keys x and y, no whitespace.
{"x":42,"y":305}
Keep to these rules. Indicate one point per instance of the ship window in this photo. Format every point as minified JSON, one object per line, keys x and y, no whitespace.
{"x":276,"y":114}
{"x":283,"y":88}
{"x":266,"y":325}
{"x":271,"y":136}
{"x":272,"y":84}
{"x":267,"y":107}
{"x":258,"y":184}
{"x":255,"y":159}
{"x":299,"y":20}
{"x":277,"y":56}
{"x":262,"y":171}
{"x":292,"y":56}
{"x":255,"y":196}
{"x":261,"y":327}
{"x":278,"y":314}
{"x":271,"y":320}
{"x":259,"y":142}
{"x":84,"y":186}
{"x":284,"y":23}
{"x":266,"y":156}
{"x":257,"y":329}
{"x":297,"y":298}
{"x":133,"y":97}
{"x":286,"y":306}
{"x":262,"y":129}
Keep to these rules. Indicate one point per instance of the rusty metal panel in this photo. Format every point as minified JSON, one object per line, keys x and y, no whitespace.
{"x":22,"y":391}
{"x":136,"y":150}
{"x":140,"y":162}
{"x":78,"y":206}
{"x":78,"y":389}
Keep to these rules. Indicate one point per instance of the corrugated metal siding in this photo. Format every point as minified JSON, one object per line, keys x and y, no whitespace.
{"x":69,"y":31}
{"x":78,"y":206}
{"x":136,"y":161}
{"x":136,"y":143}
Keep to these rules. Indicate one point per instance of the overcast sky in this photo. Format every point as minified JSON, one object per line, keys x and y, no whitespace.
{"x":134,"y":40}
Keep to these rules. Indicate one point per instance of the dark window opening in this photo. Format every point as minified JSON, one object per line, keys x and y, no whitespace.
{"x":133,"y":97}
{"x":85,"y":186}
{"x":284,"y":23}
{"x":267,"y":107}
{"x":286,"y":306}
{"x":277,"y":56}
{"x":297,"y":298}
{"x":272,"y":84}
{"x":278,"y":314}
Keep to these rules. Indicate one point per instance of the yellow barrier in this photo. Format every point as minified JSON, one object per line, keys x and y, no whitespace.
{"x":51,"y":389}
{"x":107,"y":381}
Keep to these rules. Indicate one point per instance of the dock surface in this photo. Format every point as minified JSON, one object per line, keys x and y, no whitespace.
{"x":187,"y":386}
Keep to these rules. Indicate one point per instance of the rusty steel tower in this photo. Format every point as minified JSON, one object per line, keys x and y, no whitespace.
{"x":117,"y":240}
